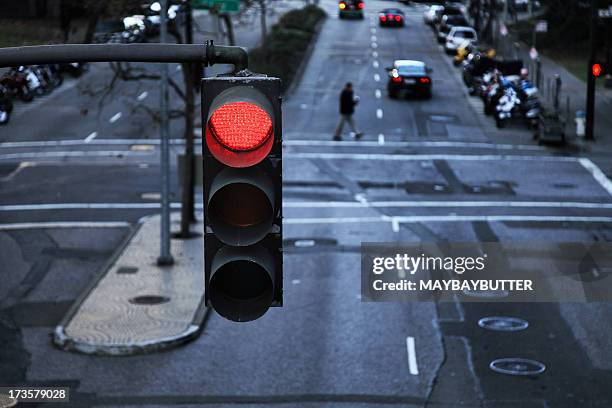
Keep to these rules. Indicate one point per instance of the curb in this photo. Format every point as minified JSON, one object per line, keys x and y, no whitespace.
{"x":66,"y":343}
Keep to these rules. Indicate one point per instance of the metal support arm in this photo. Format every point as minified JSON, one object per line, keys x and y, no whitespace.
{"x":208,"y":54}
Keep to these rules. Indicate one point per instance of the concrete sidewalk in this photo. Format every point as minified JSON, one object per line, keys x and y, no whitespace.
{"x":136,"y":306}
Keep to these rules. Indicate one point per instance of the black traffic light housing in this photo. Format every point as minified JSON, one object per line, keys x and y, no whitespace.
{"x":243,"y":264}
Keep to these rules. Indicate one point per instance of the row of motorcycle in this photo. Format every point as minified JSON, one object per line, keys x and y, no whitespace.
{"x":26,"y":82}
{"x":505,"y":88}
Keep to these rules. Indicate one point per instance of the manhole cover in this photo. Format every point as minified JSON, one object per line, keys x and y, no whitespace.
{"x":517,"y":366}
{"x":149,"y":300}
{"x":486,"y":293}
{"x":507,"y":324}
{"x":126,"y":270}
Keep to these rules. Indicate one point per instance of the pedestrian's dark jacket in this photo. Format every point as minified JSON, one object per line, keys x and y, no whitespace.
{"x":347,"y":105}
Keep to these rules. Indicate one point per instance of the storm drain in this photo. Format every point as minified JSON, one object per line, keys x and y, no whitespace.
{"x":504,"y":324}
{"x":517,"y":366}
{"x":149,"y":300}
{"x":127,"y":270}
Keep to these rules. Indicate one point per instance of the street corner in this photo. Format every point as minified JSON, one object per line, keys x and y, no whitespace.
{"x":135,"y":306}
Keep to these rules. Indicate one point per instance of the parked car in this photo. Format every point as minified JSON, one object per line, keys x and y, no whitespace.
{"x":409,"y":76}
{"x":457,"y":37}
{"x":391,"y":17}
{"x":430,"y":14}
{"x":351,"y":9}
{"x":448,"y":22}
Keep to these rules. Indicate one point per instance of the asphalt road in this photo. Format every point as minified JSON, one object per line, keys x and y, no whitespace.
{"x":440,"y":163}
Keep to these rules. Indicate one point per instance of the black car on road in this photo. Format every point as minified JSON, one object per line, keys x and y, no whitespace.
{"x":351,"y":9}
{"x":391,"y":17}
{"x":409,"y":76}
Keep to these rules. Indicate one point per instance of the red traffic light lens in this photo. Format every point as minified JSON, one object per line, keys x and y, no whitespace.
{"x":596,"y":69}
{"x":240,"y":126}
{"x":240,"y":134}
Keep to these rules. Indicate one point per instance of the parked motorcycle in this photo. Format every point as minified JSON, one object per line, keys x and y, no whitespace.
{"x":506,"y":107}
{"x":17,"y":84}
{"x":74,"y":69}
{"x":6,"y":105}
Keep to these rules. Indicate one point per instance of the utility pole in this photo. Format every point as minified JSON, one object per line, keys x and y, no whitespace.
{"x":590,"y":105}
{"x":165,"y":257}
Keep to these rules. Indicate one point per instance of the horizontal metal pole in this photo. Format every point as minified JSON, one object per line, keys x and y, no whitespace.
{"x":207,"y":54}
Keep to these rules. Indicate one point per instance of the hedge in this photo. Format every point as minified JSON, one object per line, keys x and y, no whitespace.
{"x":286,"y":44}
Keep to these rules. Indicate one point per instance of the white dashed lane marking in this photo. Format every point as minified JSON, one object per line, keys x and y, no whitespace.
{"x":115,"y":117}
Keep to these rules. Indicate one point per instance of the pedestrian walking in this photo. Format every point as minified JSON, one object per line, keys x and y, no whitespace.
{"x":348,"y":100}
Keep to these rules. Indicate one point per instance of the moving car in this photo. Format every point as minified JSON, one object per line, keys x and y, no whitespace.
{"x":351,"y":9}
{"x":391,"y":17}
{"x":430,"y":14}
{"x":411,"y":76}
{"x":457,"y":37}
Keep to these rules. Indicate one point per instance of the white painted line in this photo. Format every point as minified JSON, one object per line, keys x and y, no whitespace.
{"x":143,"y":95}
{"x":597,"y":174}
{"x":375,"y":54}
{"x":64,"y":224}
{"x":446,"y":218}
{"x":449,"y":204}
{"x":373,"y":30}
{"x":115,"y":117}
{"x":412,"y":361}
{"x":296,"y":281}
{"x":395,"y":226}
{"x":375,"y":64}
{"x":474,"y":145}
{"x":381,"y":139}
{"x":91,"y":137}
{"x":374,"y":45}
{"x":360,"y":202}
{"x":47,"y":155}
{"x":373,"y":39}
{"x":377,"y":93}
{"x":422,"y":157}
{"x":376,"y":77}
{"x":379,"y":113}
{"x":308,"y":142}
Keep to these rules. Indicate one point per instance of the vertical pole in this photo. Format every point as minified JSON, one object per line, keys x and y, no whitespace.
{"x":590,"y":106}
{"x":165,"y":258}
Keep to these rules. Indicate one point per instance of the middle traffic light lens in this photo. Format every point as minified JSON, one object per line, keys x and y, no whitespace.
{"x":240,"y":205}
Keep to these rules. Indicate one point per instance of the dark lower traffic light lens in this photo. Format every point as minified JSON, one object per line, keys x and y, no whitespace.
{"x":242,"y":283}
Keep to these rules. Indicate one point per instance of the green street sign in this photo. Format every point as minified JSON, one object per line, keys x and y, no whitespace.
{"x":223,"y":6}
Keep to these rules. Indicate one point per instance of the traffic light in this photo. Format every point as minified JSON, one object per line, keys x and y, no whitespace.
{"x":242,"y":157}
{"x":597,"y":69}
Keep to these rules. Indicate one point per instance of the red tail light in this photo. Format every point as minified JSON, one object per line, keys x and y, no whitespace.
{"x":398,"y":18}
{"x":240,"y":134}
{"x":424,"y":80}
{"x":383,"y":18}
{"x":360,"y":5}
{"x":396,"y":79}
{"x":390,"y":16}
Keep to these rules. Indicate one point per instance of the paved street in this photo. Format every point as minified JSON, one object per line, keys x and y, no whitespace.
{"x":75,"y":178}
